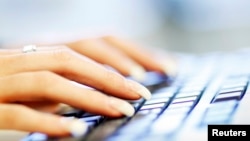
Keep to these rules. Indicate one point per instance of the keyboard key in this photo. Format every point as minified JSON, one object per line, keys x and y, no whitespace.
{"x":229,"y":90}
{"x":233,"y":85}
{"x":224,"y":104}
{"x":125,"y":137}
{"x":155,"y":101}
{"x":221,"y":108}
{"x":87,"y":115}
{"x":151,"y":137}
{"x":236,"y":79}
{"x":219,"y":112}
{"x":154,"y":80}
{"x":166,"y":124}
{"x":156,"y":111}
{"x":184,"y":99}
{"x":228,"y":96}
{"x":180,"y":105}
{"x":191,"y":89}
{"x":163,"y":94}
{"x":135,"y":101}
{"x":144,"y":112}
{"x":92,"y":118}
{"x":221,"y":119}
{"x":152,"y":106}
{"x":171,"y":89}
{"x":70,"y":112}
{"x":106,"y":129}
{"x":187,"y":94}
{"x":150,"y":111}
{"x":137,"y":124}
{"x":172,"y":111}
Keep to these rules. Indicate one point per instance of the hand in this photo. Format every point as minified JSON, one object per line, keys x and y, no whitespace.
{"x":41,"y":80}
{"x":126,"y":57}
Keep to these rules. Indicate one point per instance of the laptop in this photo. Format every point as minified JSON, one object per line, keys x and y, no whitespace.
{"x":210,"y":89}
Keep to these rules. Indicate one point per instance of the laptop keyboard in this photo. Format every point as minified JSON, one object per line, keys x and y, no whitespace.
{"x":173,"y":99}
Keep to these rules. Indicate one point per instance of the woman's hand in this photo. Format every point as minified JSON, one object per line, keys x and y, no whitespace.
{"x":126,"y":57}
{"x":39,"y":81}
{"x":44,"y":78}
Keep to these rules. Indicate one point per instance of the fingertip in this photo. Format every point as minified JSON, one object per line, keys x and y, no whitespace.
{"x":170,"y":68}
{"x":138,"y":73}
{"x":122,"y":106}
{"x":139,"y":89}
{"x":74,"y":126}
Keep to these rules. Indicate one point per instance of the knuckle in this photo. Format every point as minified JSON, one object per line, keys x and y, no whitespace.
{"x":43,"y":81}
{"x":63,"y":55}
{"x":43,"y":76}
{"x":63,"y":59}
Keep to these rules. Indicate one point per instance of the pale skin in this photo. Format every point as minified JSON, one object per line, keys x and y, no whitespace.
{"x":33,"y":84}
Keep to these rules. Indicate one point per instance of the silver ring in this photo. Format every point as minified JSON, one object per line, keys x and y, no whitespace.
{"x":29,"y":48}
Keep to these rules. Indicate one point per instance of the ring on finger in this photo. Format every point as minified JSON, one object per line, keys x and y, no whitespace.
{"x":29,"y":48}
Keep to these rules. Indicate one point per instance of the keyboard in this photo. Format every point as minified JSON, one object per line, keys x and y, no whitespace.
{"x":208,"y":89}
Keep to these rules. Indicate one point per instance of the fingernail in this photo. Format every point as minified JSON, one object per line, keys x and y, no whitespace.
{"x":170,"y":68}
{"x":138,"y":73}
{"x":74,"y":126}
{"x":139,"y":89}
{"x":122,"y":106}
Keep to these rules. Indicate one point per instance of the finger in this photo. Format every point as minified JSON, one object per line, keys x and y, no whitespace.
{"x":103,"y":53}
{"x":19,"y":51}
{"x":43,"y":106}
{"x":49,"y":86}
{"x":134,"y":51}
{"x":75,"y":67}
{"x":7,"y":51}
{"x":19,"y":117}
